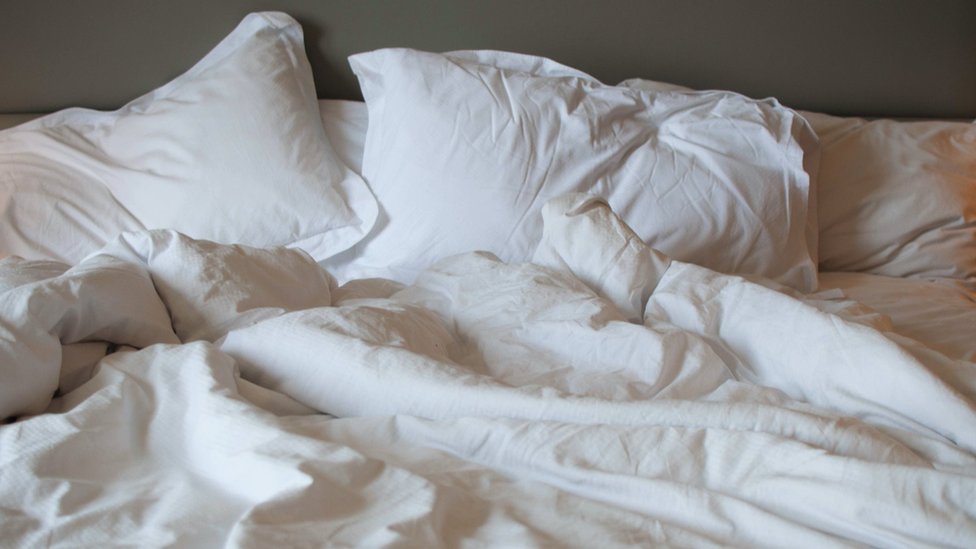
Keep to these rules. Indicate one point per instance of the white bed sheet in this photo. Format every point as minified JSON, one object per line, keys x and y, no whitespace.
{"x":508,"y":405}
{"x":940,"y":314}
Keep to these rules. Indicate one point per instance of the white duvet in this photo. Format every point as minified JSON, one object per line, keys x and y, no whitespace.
{"x":602,"y":396}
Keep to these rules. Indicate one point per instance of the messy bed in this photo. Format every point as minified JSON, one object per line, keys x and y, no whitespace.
{"x":497,"y":303}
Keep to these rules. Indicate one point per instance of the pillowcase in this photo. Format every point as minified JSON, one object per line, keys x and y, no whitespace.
{"x":898,"y":198}
{"x":231,"y":151}
{"x":345,"y":124}
{"x":894,"y":198}
{"x":463,"y":149}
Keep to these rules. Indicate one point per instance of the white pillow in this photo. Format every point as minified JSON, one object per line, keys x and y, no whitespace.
{"x":232,"y":151}
{"x":345,"y":124}
{"x":898,"y":198}
{"x":462,"y":155}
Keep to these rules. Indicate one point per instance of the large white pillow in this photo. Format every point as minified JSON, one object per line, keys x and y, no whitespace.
{"x":232,"y":151}
{"x":898,"y":198}
{"x":463,"y":149}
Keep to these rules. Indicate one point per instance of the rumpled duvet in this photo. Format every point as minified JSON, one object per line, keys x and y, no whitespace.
{"x":173,"y":392}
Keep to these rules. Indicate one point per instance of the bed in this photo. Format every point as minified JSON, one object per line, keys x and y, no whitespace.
{"x":475,"y":292}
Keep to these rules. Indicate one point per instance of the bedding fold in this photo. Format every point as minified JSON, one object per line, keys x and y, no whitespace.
{"x":102,"y":299}
{"x":603,"y":395}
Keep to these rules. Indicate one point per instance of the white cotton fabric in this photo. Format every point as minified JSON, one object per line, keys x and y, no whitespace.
{"x":16,"y":271}
{"x":940,"y":315}
{"x":583,"y":236}
{"x":463,"y":149}
{"x":502,"y":404}
{"x":895,"y":198}
{"x":141,"y":289}
{"x":898,"y":198}
{"x":101,"y":299}
{"x":345,"y":124}
{"x":232,"y":151}
{"x":208,"y":288}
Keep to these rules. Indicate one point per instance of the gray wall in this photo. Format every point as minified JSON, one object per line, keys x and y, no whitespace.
{"x":868,"y":57}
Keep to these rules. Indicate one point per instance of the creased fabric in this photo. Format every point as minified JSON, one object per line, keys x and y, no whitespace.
{"x":569,"y":402}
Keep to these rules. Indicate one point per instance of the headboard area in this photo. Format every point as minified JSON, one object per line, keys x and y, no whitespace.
{"x":901,"y":58}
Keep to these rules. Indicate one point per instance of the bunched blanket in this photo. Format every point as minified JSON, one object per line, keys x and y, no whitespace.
{"x":168,"y":391}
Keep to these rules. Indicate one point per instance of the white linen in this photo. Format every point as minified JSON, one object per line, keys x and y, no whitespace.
{"x":208,"y":288}
{"x":102,"y":299}
{"x":895,"y":198}
{"x":610,"y":258}
{"x":941,"y":315}
{"x":345,"y":124}
{"x":463,"y":149}
{"x":898,"y":198}
{"x":233,"y":151}
{"x":504,"y":405}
